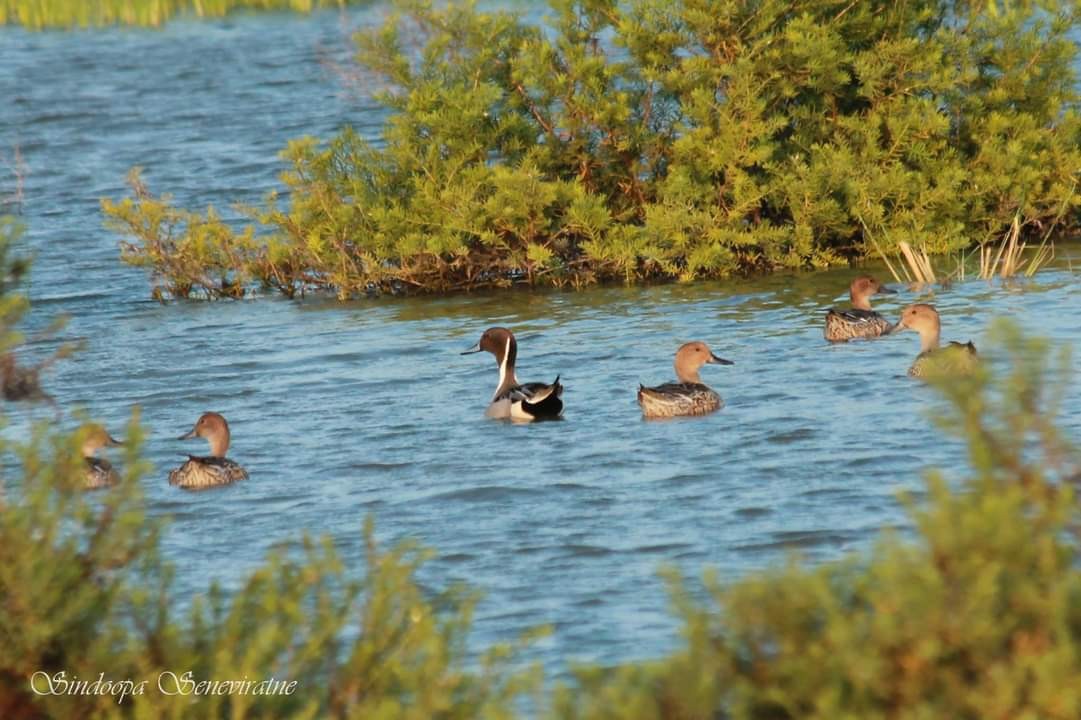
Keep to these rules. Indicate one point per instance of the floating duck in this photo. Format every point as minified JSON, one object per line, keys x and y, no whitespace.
{"x":689,"y":396}
{"x":514,"y":400}
{"x":949,"y":359}
{"x":99,"y":471}
{"x":214,"y":469}
{"x":860,"y":321}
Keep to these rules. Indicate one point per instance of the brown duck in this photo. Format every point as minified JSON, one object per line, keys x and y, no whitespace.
{"x":955,"y":358}
{"x":214,"y":469}
{"x":689,"y":396}
{"x":99,"y":472}
{"x":860,"y":321}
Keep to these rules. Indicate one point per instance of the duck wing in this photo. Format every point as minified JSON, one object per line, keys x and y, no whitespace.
{"x":208,"y":471}
{"x":537,"y":400}
{"x":99,"y":473}
{"x":854,"y":323}
{"x":672,"y":388}
{"x":955,"y":358}
{"x":675,"y":399}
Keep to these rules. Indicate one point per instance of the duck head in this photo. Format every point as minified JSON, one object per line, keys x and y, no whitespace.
{"x":862,"y":288}
{"x":923,"y":319}
{"x":96,"y":438}
{"x":213,"y":427}
{"x":499,"y":341}
{"x":693,"y":355}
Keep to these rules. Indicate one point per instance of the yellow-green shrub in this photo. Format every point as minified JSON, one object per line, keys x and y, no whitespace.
{"x":668,"y":140}
{"x":976,"y":613}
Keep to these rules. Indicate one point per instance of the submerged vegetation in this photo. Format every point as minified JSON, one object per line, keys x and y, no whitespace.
{"x":975,"y":613}
{"x":651,"y":140}
{"x":40,"y":14}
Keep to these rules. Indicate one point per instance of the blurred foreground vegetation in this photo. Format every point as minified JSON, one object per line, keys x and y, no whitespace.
{"x":41,"y":14}
{"x":974,"y":614}
{"x":655,"y":140}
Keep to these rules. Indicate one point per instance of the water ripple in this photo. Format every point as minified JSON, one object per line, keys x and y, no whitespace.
{"x":340,"y":411}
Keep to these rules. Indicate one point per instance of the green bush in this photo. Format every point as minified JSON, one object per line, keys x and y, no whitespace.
{"x":978,"y":616}
{"x":85,"y":595}
{"x":649,"y":140}
{"x":975,"y":613}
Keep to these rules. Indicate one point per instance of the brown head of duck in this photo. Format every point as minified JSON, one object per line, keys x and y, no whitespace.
{"x":214,"y":429}
{"x":500,"y":342}
{"x":98,"y":472}
{"x":862,"y":288}
{"x":96,"y":438}
{"x":952,"y":359}
{"x":923,"y":319}
{"x":691,"y":357}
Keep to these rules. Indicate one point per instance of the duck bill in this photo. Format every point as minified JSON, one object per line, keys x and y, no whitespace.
{"x":470,"y":351}
{"x":714,"y":360}
{"x":898,"y":327}
{"x":188,"y":435}
{"x":112,"y":442}
{"x":883,"y":290}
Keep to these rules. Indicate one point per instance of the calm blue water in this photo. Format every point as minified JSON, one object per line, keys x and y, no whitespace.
{"x":341,"y":410}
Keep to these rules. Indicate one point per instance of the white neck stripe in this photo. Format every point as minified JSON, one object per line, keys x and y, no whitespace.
{"x":503,"y":368}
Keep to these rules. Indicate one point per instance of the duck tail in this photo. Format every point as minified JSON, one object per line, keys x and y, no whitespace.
{"x":546,"y":403}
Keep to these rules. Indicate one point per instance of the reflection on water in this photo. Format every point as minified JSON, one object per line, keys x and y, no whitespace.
{"x":339,"y":410}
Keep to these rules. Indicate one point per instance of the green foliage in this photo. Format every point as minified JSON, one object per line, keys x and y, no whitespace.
{"x":978,"y":616}
{"x":87,"y":592}
{"x":84,"y":591}
{"x":976,"y":613}
{"x":40,"y":14}
{"x":646,"y":140}
{"x":184,"y":250}
{"x":12,"y":271}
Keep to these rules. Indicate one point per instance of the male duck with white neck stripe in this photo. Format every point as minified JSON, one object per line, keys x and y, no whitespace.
{"x":521,"y":402}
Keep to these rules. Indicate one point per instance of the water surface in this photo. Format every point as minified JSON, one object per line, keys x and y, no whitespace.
{"x":341,"y":410}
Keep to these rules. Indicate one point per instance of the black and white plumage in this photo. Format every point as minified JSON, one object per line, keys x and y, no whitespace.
{"x":512,"y":400}
{"x":530,"y":401}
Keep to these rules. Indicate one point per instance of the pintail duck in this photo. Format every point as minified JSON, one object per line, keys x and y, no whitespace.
{"x":949,"y":359}
{"x":99,"y":472}
{"x":689,"y":396}
{"x":514,"y":400}
{"x":214,"y":469}
{"x":860,"y":321}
